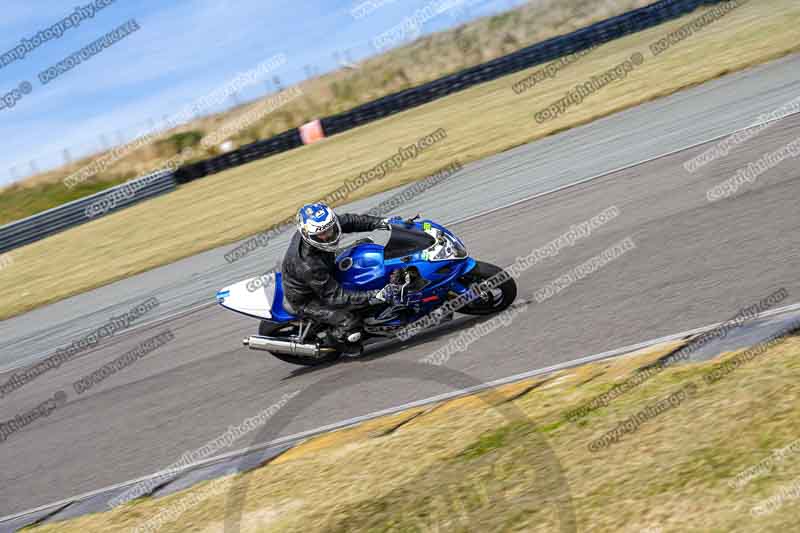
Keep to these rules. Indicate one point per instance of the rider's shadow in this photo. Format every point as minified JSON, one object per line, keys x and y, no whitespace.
{"x":380,"y":349}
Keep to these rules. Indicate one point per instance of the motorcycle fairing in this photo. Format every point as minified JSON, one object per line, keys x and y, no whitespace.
{"x":265,"y":303}
{"x":428,"y":248}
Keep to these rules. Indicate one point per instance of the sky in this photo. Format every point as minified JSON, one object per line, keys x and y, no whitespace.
{"x":182,"y":51}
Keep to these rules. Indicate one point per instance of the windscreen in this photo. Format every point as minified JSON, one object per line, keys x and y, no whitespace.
{"x":406,"y":241}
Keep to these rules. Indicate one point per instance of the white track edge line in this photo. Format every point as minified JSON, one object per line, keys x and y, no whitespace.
{"x":297,"y":437}
{"x":500,"y":208}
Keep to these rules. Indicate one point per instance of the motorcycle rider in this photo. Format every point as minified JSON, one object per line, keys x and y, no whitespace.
{"x":309,"y":285}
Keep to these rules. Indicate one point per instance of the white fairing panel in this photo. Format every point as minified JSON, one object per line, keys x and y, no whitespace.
{"x":252,"y":297}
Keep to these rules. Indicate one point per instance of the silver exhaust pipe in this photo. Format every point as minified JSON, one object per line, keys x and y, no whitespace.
{"x":271,"y":344}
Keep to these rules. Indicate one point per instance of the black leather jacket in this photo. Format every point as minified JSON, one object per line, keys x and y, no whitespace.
{"x":308,"y":272}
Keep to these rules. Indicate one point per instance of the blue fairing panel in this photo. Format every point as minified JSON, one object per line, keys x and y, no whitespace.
{"x":470,"y":265}
{"x":361,"y":268}
{"x":279,"y":314}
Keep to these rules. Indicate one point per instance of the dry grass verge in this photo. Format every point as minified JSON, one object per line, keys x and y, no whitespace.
{"x":466,"y":466}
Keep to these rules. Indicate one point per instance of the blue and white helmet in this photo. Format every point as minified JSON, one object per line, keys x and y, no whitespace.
{"x":319,"y":226}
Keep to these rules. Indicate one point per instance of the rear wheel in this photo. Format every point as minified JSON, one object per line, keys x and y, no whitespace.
{"x":492,"y":300}
{"x":286,"y":331}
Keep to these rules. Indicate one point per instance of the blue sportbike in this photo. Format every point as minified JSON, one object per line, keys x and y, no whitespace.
{"x":425,"y":259}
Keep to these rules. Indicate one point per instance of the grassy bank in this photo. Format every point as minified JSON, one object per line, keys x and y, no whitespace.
{"x":499,"y":462}
{"x":242,"y":201}
{"x":418,"y":62}
{"x":20,"y":201}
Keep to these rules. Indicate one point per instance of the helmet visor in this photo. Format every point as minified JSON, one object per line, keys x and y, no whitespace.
{"x":328,"y":236}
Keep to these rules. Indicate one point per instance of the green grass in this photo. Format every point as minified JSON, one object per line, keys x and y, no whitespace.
{"x":492,"y":440}
{"x":19,"y":202}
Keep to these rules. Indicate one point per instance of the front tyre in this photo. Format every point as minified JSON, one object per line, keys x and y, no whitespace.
{"x":493,"y":300}
{"x":271,"y":329}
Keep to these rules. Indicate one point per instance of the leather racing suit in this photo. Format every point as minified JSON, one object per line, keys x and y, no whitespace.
{"x":310,"y":287}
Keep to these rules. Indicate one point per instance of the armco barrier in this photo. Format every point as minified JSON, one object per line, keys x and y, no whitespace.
{"x":65,"y":216}
{"x":44,"y":224}
{"x":544,"y":52}
{"x":251,"y":152}
{"x":539,"y":53}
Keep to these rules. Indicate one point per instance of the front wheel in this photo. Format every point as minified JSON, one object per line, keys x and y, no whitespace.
{"x":493,"y":300}
{"x":271,"y":329}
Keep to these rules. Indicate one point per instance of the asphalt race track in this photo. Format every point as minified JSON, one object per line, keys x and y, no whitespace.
{"x":694,"y":263}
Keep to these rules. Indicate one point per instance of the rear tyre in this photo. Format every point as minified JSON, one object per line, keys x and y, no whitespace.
{"x":271,"y":329}
{"x":491,"y":301}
